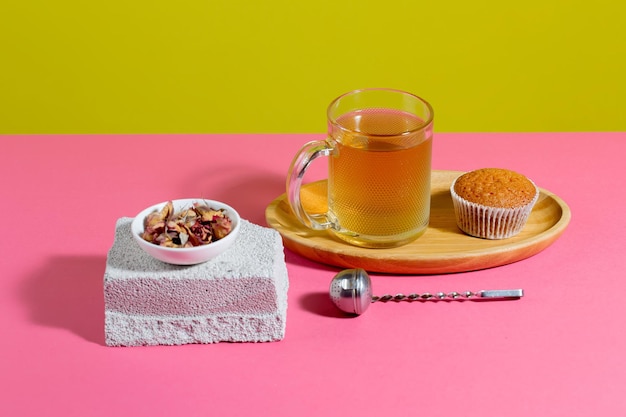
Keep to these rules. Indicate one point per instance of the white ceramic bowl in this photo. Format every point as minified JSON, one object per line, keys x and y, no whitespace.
{"x":186,"y":256}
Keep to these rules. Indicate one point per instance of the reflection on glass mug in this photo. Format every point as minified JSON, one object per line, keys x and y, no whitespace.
{"x":379,"y":146}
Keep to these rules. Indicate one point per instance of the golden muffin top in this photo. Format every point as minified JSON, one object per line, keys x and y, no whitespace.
{"x":495,"y":187}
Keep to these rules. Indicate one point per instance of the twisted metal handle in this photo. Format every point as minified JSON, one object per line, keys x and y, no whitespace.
{"x":439,"y":296}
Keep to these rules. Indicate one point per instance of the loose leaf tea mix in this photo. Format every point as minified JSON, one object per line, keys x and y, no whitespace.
{"x":196,"y":226}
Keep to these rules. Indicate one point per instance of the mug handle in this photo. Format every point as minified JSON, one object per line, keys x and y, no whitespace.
{"x":307,"y":154}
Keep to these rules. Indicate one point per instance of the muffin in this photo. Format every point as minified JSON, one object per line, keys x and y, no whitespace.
{"x":493,"y":203}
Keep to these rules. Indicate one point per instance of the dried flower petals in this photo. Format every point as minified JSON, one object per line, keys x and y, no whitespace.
{"x":196,"y":226}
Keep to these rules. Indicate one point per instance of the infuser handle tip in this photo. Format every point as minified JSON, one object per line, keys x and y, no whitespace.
{"x":501,"y":294}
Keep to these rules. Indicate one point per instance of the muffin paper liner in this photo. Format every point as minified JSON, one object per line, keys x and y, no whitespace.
{"x":490,"y":222}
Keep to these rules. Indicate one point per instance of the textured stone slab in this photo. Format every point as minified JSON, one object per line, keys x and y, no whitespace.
{"x":240,"y":296}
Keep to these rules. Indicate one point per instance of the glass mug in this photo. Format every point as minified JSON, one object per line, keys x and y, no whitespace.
{"x":379,"y":146}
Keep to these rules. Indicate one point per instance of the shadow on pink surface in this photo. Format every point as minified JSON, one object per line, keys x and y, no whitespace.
{"x":67,"y":292}
{"x":319,"y":303}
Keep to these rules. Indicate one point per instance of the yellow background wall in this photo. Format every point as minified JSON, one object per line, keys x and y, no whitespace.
{"x":155,"y":66}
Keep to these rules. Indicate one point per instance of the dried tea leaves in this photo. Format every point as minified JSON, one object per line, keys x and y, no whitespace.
{"x":196,"y":226}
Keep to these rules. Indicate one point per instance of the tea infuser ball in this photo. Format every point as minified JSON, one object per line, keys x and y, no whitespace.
{"x":351,"y":292}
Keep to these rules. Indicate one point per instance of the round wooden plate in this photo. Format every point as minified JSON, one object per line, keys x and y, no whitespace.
{"x":443,"y":248}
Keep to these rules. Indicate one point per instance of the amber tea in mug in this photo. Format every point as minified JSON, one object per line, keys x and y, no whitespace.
{"x":379,"y":147}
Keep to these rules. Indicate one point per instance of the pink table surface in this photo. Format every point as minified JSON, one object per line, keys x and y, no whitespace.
{"x":559,"y":351}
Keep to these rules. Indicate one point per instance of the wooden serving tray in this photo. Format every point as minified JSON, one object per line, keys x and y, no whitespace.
{"x":443,"y":248}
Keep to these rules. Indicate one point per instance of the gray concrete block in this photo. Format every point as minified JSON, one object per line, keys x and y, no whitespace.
{"x":239,"y":296}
